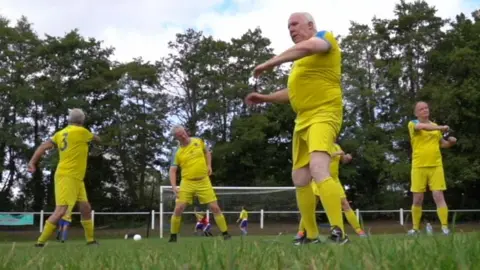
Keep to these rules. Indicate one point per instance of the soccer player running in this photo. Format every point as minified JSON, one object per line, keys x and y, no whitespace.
{"x":426,"y":138}
{"x":195,"y":161}
{"x":338,"y":157}
{"x":243,"y":219}
{"x":62,"y":227}
{"x":72,"y":143}
{"x":315,"y":94}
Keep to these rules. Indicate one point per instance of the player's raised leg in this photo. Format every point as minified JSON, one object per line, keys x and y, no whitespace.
{"x":321,"y":138}
{"x":352,"y":218}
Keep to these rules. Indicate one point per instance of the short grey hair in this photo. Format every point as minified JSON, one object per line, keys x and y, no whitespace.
{"x":308,"y":18}
{"x":174,"y":128}
{"x":76,"y":116}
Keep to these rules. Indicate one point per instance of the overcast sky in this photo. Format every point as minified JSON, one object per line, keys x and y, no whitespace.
{"x":143,"y":27}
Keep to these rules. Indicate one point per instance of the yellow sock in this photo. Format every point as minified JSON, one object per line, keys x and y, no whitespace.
{"x":331,"y":201}
{"x":48,"y":230}
{"x":221,"y":222}
{"x":442,"y":213}
{"x":352,"y":219}
{"x":416,"y":217}
{"x":301,"y":226}
{"x":307,"y":203}
{"x":175,"y":224}
{"x":88,"y":228}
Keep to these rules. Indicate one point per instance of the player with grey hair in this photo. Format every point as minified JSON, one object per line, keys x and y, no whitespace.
{"x":195,"y":160}
{"x":72,"y":143}
{"x":314,"y":91}
{"x":76,"y":117}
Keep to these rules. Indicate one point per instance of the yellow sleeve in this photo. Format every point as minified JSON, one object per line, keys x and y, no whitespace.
{"x":88,"y":135}
{"x":411,"y":127}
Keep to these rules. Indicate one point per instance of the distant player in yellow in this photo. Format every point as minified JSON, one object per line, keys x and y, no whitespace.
{"x":72,"y":144}
{"x":338,"y":157}
{"x":427,"y":167}
{"x":195,"y":161}
{"x":243,"y":219}
{"x":315,"y":94}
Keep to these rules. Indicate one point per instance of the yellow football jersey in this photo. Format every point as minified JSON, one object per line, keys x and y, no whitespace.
{"x":425,"y":146}
{"x":314,"y":85}
{"x":244,"y":214}
{"x":335,"y":162}
{"x":191,"y":159}
{"x":72,"y":143}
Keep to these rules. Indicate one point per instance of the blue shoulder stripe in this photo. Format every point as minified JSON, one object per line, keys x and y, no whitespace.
{"x":321,"y":35}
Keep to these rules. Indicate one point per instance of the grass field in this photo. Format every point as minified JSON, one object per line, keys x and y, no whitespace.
{"x":459,"y":251}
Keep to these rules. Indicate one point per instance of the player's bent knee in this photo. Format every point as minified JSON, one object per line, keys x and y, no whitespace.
{"x":418,"y":198}
{"x":438,"y":197}
{"x":179,"y":208}
{"x":58,"y":213}
{"x":215,"y":208}
{"x":320,"y":165}
{"x":301,"y":177}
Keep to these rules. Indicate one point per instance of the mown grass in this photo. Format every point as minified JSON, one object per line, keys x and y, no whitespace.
{"x":459,"y":251}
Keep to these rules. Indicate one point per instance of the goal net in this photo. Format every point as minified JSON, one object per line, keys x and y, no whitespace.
{"x":271,"y":210}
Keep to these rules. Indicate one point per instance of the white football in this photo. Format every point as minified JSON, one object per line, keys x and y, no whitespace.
{"x":137,"y":237}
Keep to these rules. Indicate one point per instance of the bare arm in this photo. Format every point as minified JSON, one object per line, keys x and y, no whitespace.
{"x":173,"y":177}
{"x":429,"y":127}
{"x":280,"y":96}
{"x":448,"y":143}
{"x":208,"y":156}
{"x":41,"y":150}
{"x":300,"y":50}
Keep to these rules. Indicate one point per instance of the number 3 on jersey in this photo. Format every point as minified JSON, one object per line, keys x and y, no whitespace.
{"x":64,"y":142}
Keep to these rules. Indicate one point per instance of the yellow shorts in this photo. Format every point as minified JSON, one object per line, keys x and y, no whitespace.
{"x":201,"y":188}
{"x":69,"y":191}
{"x":432,"y":176}
{"x":317,"y":137}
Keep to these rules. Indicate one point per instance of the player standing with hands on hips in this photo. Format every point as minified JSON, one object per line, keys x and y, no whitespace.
{"x":195,"y":161}
{"x":72,"y":143}
{"x":427,"y":167}
{"x":315,"y":94}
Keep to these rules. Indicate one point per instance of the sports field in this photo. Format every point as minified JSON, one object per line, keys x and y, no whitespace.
{"x":458,"y":251}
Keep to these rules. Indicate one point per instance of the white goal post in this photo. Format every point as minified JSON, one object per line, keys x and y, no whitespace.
{"x":260,"y":200}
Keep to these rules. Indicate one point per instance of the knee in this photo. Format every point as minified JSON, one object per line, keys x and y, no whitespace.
{"x":438,"y":197}
{"x":179,"y":208}
{"x":215,"y":208}
{"x":301,"y":177}
{"x":59,"y":212}
{"x":417,"y":199}
{"x":320,"y":165}
{"x":85,"y":210}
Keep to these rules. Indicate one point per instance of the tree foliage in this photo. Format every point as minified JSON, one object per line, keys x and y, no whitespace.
{"x":387,"y":66}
